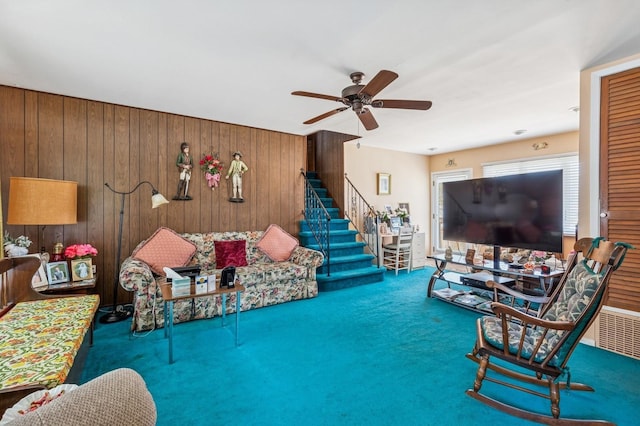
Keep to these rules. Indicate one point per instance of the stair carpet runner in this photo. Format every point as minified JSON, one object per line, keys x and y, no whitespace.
{"x":351,"y":263}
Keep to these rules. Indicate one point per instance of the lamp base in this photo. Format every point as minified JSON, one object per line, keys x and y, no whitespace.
{"x":114,"y":316}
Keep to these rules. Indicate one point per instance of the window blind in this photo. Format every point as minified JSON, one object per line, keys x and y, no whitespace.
{"x":567,"y":163}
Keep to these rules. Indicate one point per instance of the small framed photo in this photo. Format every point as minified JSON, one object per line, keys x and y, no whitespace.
{"x":469,"y":256}
{"x":81,"y":269}
{"x":57,"y":272}
{"x":39,"y":280}
{"x":405,"y":207}
{"x":384,"y":184}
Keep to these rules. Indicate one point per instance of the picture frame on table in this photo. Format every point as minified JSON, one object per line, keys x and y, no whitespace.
{"x":39,"y":280}
{"x":81,"y":269}
{"x":384,"y":184}
{"x":404,"y":206}
{"x":57,"y":272}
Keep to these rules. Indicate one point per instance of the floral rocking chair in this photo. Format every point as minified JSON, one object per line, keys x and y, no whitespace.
{"x":544,"y":343}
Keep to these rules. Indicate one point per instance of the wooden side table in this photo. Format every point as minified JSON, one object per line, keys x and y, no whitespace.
{"x":70,"y":287}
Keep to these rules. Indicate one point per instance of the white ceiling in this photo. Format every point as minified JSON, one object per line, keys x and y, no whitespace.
{"x":490,"y":67}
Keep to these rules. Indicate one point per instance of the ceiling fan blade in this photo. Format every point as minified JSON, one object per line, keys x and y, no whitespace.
{"x":325,"y":115}
{"x":403,"y":104}
{"x":367,"y":119}
{"x":379,"y":82}
{"x":316,"y":95}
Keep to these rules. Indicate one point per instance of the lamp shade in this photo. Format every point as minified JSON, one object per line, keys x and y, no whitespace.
{"x":157,"y":200}
{"x":35,"y":201}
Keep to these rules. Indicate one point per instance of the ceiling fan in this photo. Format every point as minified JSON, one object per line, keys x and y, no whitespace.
{"x":358,"y":96}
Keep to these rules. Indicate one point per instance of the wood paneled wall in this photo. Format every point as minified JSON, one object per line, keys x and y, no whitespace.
{"x":328,"y":161}
{"x":93,"y":143}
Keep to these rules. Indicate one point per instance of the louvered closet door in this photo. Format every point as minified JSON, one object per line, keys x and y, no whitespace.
{"x":620,"y":180}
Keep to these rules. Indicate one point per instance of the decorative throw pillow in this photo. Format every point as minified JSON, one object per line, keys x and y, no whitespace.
{"x":230,"y":253}
{"x":165,"y":248}
{"x":277,"y":243}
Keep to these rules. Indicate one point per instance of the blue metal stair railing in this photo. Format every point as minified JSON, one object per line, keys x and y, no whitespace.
{"x":363,"y":217}
{"x":318,"y":219}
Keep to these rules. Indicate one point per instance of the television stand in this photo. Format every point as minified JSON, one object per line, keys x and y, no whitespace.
{"x":460,"y":283}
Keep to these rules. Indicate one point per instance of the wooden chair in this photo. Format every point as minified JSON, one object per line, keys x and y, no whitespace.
{"x":544,"y":343}
{"x":397,"y":255}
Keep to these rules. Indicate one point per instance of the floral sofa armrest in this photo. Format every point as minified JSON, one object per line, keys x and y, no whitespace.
{"x":135,"y":275}
{"x":309,"y":258}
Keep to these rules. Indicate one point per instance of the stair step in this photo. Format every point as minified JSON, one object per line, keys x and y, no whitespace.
{"x":314,"y":182}
{"x":334,"y":212}
{"x":343,"y":249}
{"x":327,"y":202}
{"x":348,"y":279}
{"x":346,"y":263}
{"x":338,"y":236}
{"x":322,"y":192}
{"x":334,"y":225}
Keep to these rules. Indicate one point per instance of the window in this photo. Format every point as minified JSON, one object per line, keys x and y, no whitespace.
{"x":567,"y":163}
{"x":437,"y":179}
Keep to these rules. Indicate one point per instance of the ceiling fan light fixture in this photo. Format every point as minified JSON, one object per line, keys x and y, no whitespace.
{"x":358,"y":96}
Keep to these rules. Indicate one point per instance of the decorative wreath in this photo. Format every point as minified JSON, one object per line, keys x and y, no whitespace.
{"x":212,"y":168}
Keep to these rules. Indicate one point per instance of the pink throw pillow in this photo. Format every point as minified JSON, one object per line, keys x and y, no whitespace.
{"x":165,"y":248}
{"x":277,"y":243}
{"x":230,"y":253}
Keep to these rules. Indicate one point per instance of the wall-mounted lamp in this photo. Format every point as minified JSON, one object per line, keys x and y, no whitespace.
{"x":540,"y":145}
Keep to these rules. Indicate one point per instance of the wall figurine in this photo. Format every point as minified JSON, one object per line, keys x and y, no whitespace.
{"x":184,"y":162}
{"x":236,"y":169}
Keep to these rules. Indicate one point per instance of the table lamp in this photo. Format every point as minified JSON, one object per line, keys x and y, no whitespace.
{"x":42,"y":202}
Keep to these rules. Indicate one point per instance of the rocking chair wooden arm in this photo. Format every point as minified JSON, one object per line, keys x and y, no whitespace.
{"x":508,"y":313}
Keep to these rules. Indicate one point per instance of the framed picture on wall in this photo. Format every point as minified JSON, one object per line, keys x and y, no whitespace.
{"x":384,"y":184}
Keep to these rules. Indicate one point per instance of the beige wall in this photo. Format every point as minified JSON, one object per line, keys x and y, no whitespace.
{"x":562,"y":143}
{"x":411,"y":173}
{"x":409,"y":179}
{"x":474,"y":158}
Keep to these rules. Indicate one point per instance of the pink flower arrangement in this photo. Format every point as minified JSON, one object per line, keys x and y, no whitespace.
{"x":212,"y":168}
{"x":78,"y":251}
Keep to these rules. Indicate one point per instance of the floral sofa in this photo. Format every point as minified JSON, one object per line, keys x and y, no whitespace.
{"x":267,"y":282}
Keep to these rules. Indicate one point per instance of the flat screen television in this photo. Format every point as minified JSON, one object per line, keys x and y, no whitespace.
{"x":520,"y":211}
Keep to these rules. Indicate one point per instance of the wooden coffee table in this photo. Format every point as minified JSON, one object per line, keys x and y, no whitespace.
{"x":168,"y":298}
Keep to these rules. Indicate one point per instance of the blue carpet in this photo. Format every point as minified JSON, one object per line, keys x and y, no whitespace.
{"x":379,"y":354}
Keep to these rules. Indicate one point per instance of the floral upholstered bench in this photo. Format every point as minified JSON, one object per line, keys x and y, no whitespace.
{"x":40,"y":340}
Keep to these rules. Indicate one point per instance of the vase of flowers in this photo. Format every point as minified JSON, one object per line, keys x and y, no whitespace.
{"x":212,"y":167}
{"x":16,"y":246}
{"x":80,"y":251}
{"x":80,"y":256}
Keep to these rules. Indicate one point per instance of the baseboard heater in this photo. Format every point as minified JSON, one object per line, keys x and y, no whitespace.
{"x":618,"y":330}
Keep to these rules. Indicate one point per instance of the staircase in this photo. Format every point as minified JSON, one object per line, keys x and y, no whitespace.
{"x":351,"y":265}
